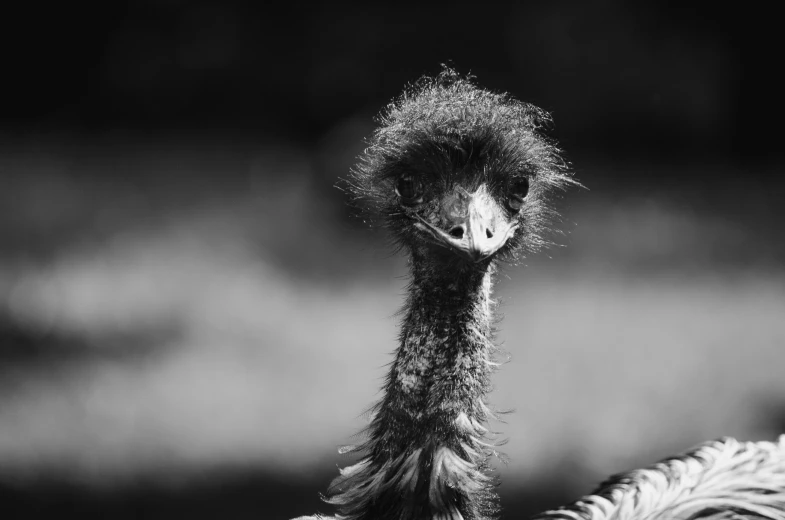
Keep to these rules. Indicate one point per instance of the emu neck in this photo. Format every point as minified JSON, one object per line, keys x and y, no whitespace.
{"x":427,"y":454}
{"x":441,"y":370}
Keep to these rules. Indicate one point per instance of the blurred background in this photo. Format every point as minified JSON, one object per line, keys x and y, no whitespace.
{"x":191,"y":322}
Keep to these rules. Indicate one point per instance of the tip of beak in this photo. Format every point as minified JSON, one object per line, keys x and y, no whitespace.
{"x":474,"y":249}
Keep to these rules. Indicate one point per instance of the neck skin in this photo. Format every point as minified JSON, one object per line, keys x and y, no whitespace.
{"x":426,"y":456}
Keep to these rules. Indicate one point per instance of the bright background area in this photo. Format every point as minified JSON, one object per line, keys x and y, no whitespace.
{"x":191,"y":323}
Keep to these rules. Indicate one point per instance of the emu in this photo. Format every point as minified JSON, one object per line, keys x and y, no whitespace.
{"x":462,"y":178}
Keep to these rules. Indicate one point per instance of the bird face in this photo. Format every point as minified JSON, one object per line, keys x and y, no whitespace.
{"x":468,"y":218}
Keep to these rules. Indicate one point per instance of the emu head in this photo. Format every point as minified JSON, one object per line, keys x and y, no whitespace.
{"x":460,"y":175}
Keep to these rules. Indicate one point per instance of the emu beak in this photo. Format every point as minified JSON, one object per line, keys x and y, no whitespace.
{"x":475,"y":225}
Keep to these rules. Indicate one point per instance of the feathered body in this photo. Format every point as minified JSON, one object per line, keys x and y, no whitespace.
{"x":461,"y":178}
{"x":719,"y":480}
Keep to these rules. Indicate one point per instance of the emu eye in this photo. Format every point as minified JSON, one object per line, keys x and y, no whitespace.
{"x":519,"y":188}
{"x":409,"y":188}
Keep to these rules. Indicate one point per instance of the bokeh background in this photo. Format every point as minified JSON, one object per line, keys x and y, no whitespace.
{"x":191,"y":322}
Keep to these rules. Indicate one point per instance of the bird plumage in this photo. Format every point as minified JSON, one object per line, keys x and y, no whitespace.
{"x":718,"y":480}
{"x":462,"y":178}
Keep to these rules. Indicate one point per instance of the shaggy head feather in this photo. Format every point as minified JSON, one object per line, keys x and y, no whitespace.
{"x":447,"y":130}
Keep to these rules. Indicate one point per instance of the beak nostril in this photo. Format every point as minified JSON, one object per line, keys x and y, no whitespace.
{"x":489,"y":233}
{"x":457,"y":232}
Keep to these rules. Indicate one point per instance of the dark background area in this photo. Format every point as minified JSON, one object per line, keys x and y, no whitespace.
{"x":645,"y":79}
{"x":191,"y":322}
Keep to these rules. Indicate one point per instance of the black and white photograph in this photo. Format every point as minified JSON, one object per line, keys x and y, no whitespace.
{"x":392,"y":261}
